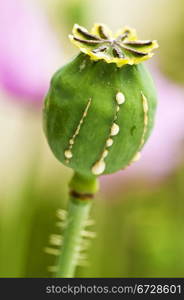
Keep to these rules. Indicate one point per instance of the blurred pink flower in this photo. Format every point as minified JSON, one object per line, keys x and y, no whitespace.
{"x":163,"y":150}
{"x":29,"y":52}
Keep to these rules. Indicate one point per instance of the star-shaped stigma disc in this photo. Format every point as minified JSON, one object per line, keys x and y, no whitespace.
{"x":123,"y":48}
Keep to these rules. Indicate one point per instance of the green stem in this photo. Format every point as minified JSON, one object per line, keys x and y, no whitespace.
{"x":82,"y":190}
{"x":77,"y":215}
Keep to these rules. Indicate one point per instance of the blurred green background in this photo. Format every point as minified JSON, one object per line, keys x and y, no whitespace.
{"x":139,"y":212}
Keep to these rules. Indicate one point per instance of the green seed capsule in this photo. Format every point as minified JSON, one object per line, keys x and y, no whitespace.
{"x":100,"y":108}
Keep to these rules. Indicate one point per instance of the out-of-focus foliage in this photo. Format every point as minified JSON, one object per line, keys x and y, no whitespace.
{"x":64,"y":14}
{"x":172,"y":40}
{"x":139,"y":233}
{"x":76,"y":11}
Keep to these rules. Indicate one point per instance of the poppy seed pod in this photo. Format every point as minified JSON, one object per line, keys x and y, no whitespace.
{"x":100,"y":107}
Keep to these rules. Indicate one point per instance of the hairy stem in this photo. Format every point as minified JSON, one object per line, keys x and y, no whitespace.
{"x":82,"y":190}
